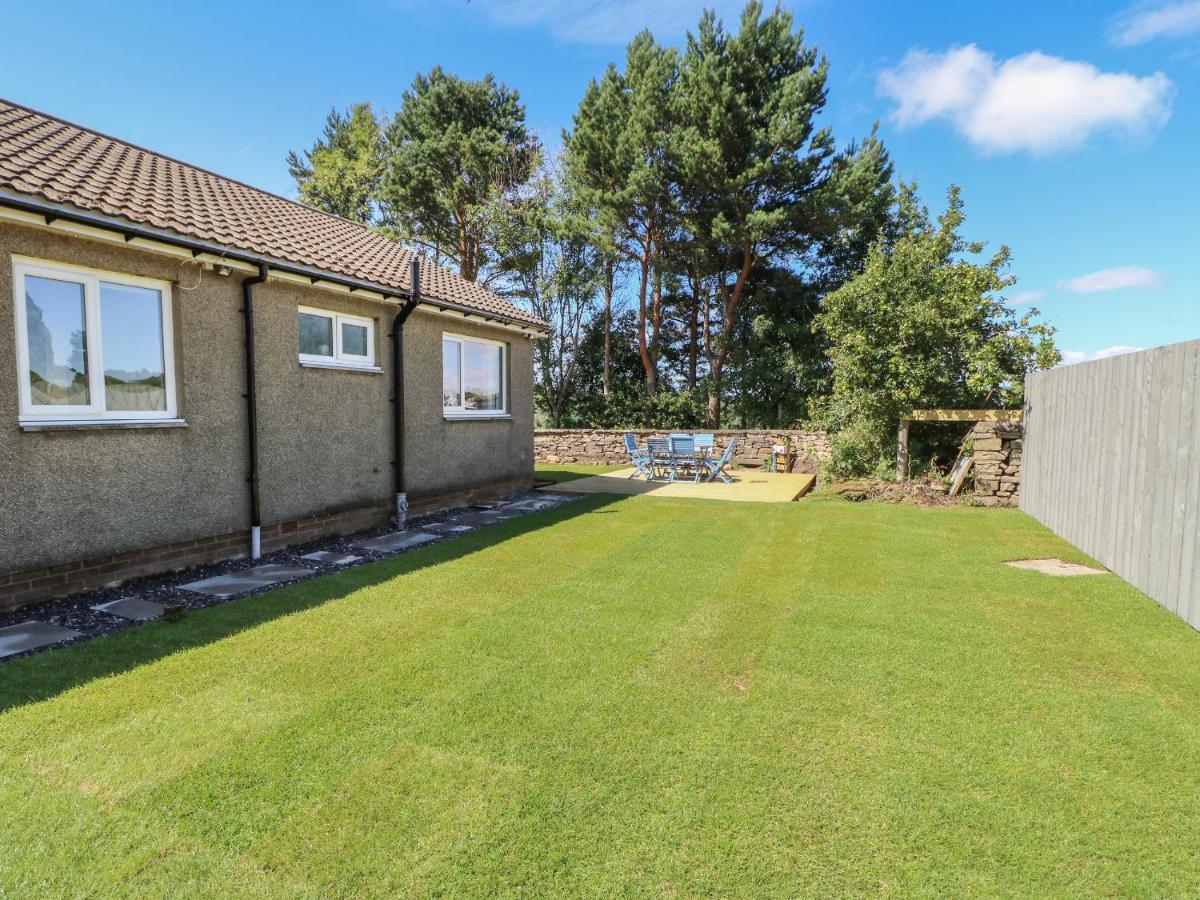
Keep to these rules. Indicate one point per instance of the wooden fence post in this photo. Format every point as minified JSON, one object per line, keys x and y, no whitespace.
{"x":902,"y":451}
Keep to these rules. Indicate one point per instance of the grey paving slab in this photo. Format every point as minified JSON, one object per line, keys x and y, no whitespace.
{"x":331,"y":558}
{"x":1055,"y":567}
{"x":447,"y":527}
{"x":532,"y":505}
{"x":485,"y":518}
{"x":134,"y":608}
{"x":247,"y":580}
{"x":31,"y":635}
{"x":401,"y":540}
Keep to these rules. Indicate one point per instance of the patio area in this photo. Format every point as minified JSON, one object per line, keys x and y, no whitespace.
{"x":746,"y":486}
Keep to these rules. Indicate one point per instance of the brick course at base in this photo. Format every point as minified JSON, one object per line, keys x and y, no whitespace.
{"x":19,"y":589}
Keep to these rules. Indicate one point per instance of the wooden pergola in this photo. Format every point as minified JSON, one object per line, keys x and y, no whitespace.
{"x":945,"y":415}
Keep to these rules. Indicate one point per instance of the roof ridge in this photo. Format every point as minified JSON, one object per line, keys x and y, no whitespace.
{"x":129,"y":144}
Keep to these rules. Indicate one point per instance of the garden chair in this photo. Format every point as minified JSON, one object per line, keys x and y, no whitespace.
{"x":660,"y":455}
{"x":705,"y":444}
{"x":683,"y":456}
{"x":640,"y":457}
{"x":716,"y":468}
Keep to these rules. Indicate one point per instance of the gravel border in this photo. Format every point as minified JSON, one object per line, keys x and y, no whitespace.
{"x":75,"y":611}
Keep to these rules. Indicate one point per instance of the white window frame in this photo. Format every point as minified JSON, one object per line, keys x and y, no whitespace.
{"x":90,"y":279}
{"x":340,"y":359}
{"x":459,"y":411}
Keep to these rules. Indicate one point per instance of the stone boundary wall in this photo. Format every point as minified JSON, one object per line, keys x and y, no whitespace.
{"x":998,"y":447}
{"x":594,"y":445}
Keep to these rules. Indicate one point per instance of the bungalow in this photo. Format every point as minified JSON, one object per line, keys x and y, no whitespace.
{"x":194,"y":369}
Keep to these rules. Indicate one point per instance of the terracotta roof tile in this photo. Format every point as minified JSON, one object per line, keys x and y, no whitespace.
{"x":48,"y":158}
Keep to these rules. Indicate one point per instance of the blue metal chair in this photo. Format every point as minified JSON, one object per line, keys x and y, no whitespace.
{"x":705,"y":444}
{"x":659,"y":450}
{"x":683,"y":456}
{"x":716,"y":468}
{"x":640,"y":457}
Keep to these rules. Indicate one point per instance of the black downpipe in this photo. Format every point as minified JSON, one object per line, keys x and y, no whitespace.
{"x":252,"y":410}
{"x":398,"y":394}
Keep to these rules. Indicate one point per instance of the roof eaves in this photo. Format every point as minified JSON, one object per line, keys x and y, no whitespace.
{"x":53,"y":210}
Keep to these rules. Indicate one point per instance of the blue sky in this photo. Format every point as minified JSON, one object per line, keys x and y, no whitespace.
{"x":1072,"y":127}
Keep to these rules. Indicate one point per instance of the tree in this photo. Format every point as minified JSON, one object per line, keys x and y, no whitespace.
{"x":553,"y":269}
{"x":777,"y":360}
{"x":459,"y":154}
{"x":599,"y":171}
{"x":924,"y":325}
{"x":340,"y":173}
{"x":618,"y":153}
{"x":754,"y":171}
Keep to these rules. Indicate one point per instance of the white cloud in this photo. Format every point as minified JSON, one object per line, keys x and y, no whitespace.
{"x":1143,"y":22}
{"x":1071,"y":357}
{"x":1032,"y":102}
{"x":1024,"y":298}
{"x":1113,"y":280}
{"x":602,"y":21}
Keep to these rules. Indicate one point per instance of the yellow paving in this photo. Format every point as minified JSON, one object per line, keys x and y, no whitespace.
{"x":749,"y":486}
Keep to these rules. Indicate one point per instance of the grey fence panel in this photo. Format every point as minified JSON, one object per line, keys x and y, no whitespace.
{"x":1112,"y":463}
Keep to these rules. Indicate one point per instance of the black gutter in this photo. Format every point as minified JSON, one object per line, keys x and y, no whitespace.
{"x":252,"y":410}
{"x":52,"y":213}
{"x":398,"y":394}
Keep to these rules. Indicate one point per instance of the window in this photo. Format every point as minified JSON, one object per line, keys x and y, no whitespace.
{"x":332,"y":339}
{"x":474,"y":380}
{"x":92,"y":346}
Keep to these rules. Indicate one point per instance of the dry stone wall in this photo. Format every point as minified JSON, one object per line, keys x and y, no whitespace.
{"x":998,"y":447}
{"x":589,"y":445}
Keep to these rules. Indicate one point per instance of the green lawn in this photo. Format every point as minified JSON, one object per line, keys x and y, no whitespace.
{"x":644,"y":696}
{"x":560,"y":472}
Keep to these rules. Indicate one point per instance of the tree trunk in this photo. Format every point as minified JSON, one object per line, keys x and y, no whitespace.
{"x":732,"y":300}
{"x":609,"y":277}
{"x":693,"y":341}
{"x":714,"y":403}
{"x":468,"y":262}
{"x":656,"y":320}
{"x":643,"y":345}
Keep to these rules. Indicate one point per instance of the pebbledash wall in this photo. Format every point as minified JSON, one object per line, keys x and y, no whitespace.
{"x":584,"y":445}
{"x":84,"y":508}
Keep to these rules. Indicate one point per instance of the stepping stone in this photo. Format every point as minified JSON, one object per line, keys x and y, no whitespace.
{"x":330,"y":558}
{"x":447,"y":528}
{"x":134,"y":608}
{"x":532,"y":505}
{"x":485,"y":518}
{"x":392,"y":543}
{"x":247,"y":580}
{"x":31,"y":635}
{"x":1056,"y":567}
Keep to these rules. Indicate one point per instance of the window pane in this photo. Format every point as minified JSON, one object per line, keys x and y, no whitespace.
{"x":482,"y":377}
{"x":450,"y":381}
{"x":57,"y":339}
{"x":132,"y":333}
{"x":316,"y":335}
{"x":354,"y":339}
